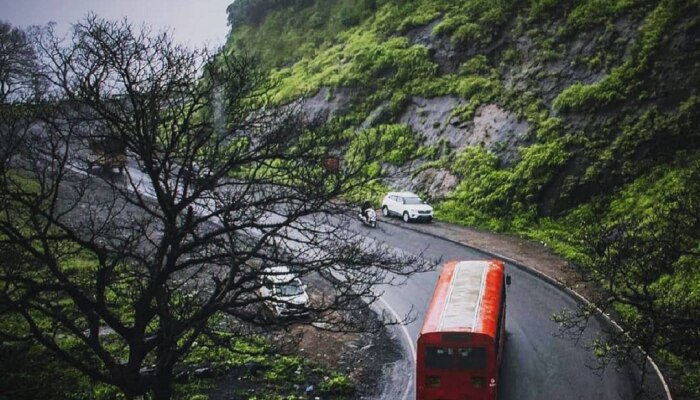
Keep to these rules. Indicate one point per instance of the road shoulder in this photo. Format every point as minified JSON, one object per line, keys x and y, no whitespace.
{"x":532,"y":256}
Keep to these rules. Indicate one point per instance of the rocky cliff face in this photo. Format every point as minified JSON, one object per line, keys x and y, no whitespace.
{"x":558,"y":94}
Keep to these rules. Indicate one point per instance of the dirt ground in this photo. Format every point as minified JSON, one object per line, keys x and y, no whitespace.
{"x":362,"y":357}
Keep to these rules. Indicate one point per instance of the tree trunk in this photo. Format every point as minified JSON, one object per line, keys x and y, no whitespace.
{"x":162,"y":385}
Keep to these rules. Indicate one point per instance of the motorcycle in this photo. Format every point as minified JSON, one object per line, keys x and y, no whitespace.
{"x":369,"y":217}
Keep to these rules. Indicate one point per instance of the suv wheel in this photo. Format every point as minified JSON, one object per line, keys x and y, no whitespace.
{"x":385,"y":211}
{"x":405,"y":217}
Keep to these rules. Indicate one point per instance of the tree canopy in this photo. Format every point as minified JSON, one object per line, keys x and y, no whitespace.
{"x":119,"y":274}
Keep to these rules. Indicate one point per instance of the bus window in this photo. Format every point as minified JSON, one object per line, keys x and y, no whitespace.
{"x":471,"y":358}
{"x":438,"y":357}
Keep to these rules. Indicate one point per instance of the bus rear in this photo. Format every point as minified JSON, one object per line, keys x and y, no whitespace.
{"x":454,"y":366}
{"x":460,"y":345}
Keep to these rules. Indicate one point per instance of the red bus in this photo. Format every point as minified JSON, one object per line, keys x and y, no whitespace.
{"x":461,"y":342}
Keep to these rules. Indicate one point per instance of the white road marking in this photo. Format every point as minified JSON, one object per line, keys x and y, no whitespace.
{"x":408,"y":340}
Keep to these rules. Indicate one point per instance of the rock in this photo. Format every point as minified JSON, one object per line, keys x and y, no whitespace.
{"x":432,"y":119}
{"x":498,"y":130}
{"x":321,"y":325}
{"x":377,"y":116}
{"x":328,"y":101}
{"x":437,"y":182}
{"x":203,"y":372}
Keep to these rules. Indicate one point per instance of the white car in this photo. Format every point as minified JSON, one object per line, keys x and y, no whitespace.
{"x":283,"y":292}
{"x":406,"y":205}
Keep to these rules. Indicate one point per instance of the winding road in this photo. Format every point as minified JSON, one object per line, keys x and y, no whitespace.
{"x":538,"y":364}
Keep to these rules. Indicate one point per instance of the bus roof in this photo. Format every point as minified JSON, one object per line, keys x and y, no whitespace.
{"x":467,"y":298}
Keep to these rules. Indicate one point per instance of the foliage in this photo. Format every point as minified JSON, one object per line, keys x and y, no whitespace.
{"x":255,"y":11}
{"x":537,"y":167}
{"x":581,"y":97}
{"x":644,"y":250}
{"x":624,"y":80}
{"x":419,"y":18}
{"x":400,"y":145}
{"x":363,"y":60}
{"x":589,"y":14}
{"x":399,"y":142}
{"x":251,"y":361}
{"x":483,"y":190}
{"x":22,"y":366}
{"x":591,"y":141}
{"x":336,"y":385}
{"x":540,"y":9}
{"x":473,"y":21}
{"x":313,"y":28}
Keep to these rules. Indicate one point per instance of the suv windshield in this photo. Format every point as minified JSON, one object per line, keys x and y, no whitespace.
{"x":412,"y":200}
{"x":289,"y":289}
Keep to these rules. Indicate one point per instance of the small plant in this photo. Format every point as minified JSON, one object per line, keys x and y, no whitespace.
{"x":335,"y":385}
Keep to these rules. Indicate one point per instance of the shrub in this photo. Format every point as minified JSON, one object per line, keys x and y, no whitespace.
{"x":336,"y":384}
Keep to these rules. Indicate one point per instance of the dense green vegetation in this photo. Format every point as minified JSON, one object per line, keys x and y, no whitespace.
{"x":608,"y":90}
{"x":259,"y":370}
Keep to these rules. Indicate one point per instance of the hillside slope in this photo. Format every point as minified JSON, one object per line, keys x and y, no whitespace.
{"x":574,"y":121}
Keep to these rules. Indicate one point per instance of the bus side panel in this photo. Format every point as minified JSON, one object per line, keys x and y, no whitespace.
{"x":502,"y":337}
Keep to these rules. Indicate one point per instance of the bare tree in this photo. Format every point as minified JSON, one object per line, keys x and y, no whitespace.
{"x":17,"y":62}
{"x":647,"y":269}
{"x":119,"y":274}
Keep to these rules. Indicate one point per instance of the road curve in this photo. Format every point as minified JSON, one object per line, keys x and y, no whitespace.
{"x":538,"y":363}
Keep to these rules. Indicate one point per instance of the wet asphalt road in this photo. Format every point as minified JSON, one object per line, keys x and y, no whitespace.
{"x":538,"y":364}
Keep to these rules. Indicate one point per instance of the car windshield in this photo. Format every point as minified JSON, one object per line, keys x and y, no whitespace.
{"x":289,"y":289}
{"x":412,"y":200}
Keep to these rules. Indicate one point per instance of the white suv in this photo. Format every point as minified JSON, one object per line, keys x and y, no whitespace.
{"x":283,"y":292}
{"x":406,"y":205}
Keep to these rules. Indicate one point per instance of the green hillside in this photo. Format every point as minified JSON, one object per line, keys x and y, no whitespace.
{"x":574,"y":122}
